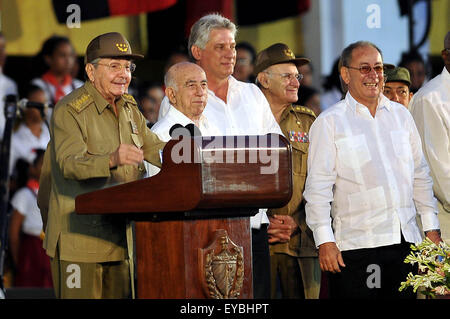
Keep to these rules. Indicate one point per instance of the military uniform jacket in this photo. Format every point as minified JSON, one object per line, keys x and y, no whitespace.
{"x":84,"y":132}
{"x":295,"y":123}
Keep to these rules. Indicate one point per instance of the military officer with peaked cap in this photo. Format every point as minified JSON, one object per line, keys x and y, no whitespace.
{"x":293,"y":255}
{"x":98,"y":138}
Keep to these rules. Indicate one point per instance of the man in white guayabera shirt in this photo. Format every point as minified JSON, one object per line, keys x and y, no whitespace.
{"x":187,"y":93}
{"x":365,"y":158}
{"x":235,"y":108}
{"x":430,"y":108}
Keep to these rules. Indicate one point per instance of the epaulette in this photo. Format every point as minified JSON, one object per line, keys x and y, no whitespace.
{"x":305,"y":110}
{"x":129,"y":98}
{"x":81,"y":102}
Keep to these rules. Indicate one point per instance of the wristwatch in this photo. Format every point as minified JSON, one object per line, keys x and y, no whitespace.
{"x":436,"y":230}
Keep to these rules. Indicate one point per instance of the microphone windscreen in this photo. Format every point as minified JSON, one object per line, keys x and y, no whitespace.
{"x":173,"y":128}
{"x":193,"y":130}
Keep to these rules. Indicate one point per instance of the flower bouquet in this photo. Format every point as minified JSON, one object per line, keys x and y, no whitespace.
{"x":434,"y":269}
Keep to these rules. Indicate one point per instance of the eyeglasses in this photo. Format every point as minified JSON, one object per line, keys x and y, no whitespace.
{"x":366,"y":69}
{"x":288,"y":76}
{"x":117,"y":67}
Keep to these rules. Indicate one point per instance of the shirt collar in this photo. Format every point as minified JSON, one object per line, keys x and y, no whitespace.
{"x":100,"y":102}
{"x":286,"y":111}
{"x":383,"y":103}
{"x":183,"y":119}
{"x":180,"y":117}
{"x":233,"y":85}
{"x":445,"y":74}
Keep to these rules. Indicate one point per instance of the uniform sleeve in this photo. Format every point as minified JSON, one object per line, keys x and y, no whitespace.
{"x":76,"y":159}
{"x":320,"y":180}
{"x":434,"y":132}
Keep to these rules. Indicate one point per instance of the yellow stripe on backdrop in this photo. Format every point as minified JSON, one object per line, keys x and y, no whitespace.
{"x":287,"y":30}
{"x":26,"y":24}
{"x":440,"y":25}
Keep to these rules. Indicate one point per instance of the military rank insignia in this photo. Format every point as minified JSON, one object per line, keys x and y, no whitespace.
{"x":301,"y":137}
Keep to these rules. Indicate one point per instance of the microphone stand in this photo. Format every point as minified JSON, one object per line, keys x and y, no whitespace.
{"x":10,"y":116}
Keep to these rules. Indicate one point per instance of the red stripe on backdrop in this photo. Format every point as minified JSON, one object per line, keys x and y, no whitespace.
{"x":195,"y":9}
{"x":133,"y":7}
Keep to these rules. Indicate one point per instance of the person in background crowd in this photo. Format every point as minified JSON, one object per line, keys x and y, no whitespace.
{"x":415,"y":64}
{"x":31,"y":134}
{"x":177,"y":56}
{"x":306,"y":70}
{"x":430,"y":108}
{"x":396,"y":87}
{"x":309,"y":97}
{"x":245,"y":62}
{"x":150,"y":102}
{"x":7,"y":85}
{"x":59,"y":57}
{"x":32,"y":265}
{"x":332,"y":88}
{"x":293,"y":255}
{"x":367,"y":180}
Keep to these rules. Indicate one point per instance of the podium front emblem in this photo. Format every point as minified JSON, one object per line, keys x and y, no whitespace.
{"x":222,"y":267}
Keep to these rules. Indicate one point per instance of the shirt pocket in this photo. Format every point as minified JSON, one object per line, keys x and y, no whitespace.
{"x":353,"y":151}
{"x":401,"y":145}
{"x":299,"y":158}
{"x":98,"y":148}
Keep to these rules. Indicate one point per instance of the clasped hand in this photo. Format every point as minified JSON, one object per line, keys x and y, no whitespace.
{"x":281,"y":228}
{"x":126,"y":154}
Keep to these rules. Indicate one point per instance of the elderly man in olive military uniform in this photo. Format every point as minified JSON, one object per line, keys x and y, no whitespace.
{"x":98,"y":138}
{"x":293,"y":255}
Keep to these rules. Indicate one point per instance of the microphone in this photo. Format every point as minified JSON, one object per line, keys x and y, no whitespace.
{"x":24,"y":104}
{"x":189,"y":130}
{"x":193,"y":130}
{"x":174,"y":129}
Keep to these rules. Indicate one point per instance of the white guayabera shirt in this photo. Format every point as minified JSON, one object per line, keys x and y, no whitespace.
{"x":367,"y":177}
{"x":430,"y":108}
{"x":172,"y":117}
{"x":246,"y":112}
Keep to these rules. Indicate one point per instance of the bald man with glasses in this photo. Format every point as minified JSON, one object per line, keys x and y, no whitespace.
{"x":367,"y":180}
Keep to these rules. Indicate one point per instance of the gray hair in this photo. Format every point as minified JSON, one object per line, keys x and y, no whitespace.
{"x":346,"y":56}
{"x":200,"y":31}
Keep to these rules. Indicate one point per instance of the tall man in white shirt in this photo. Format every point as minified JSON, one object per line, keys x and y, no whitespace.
{"x":430,"y":108}
{"x":365,"y":158}
{"x":235,"y":108}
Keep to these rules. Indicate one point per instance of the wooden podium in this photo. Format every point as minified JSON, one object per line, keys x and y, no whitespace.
{"x":192,"y":225}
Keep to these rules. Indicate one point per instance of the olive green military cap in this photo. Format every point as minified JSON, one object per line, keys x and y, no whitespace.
{"x":399,"y":74}
{"x":109,"y":45}
{"x":276,"y":54}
